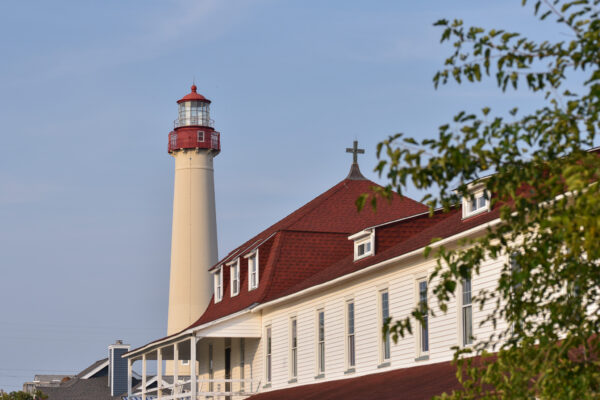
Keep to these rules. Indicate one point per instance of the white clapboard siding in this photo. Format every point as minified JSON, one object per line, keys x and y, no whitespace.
{"x":400,"y":281}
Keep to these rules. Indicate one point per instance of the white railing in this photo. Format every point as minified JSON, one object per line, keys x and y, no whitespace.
{"x":220,"y":389}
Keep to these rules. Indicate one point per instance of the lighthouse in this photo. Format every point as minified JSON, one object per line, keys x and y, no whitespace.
{"x":193,"y":144}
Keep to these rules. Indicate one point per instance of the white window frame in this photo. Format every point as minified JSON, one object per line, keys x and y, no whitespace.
{"x":268,"y":354}
{"x":253,"y":256}
{"x":464,"y":308}
{"x":293,"y":348}
{"x":385,"y":345}
{"x":482,"y":202}
{"x":320,"y":344}
{"x":234,"y":277}
{"x":200,"y":137}
{"x":350,"y":335}
{"x":364,"y":238}
{"x":420,"y":351}
{"x":218,"y":282}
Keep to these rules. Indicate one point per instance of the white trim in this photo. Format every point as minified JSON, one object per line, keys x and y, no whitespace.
{"x":476,"y":193}
{"x":96,"y":370}
{"x":376,"y":266}
{"x":218,"y":284}
{"x":347,"y":333}
{"x":253,"y":256}
{"x":318,"y":356}
{"x":419,"y":342}
{"x":180,"y":337}
{"x":234,"y":269}
{"x":380,"y":339}
{"x":293,"y":365}
{"x":367,"y":241}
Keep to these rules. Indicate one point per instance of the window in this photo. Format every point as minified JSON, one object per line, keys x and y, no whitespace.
{"x":234,"y":276}
{"x":214,"y":140}
{"x":363,"y":244}
{"x":385,"y":314}
{"x":173,"y":140}
{"x":320,"y":342}
{"x":253,"y":271}
{"x":477,"y":203}
{"x":268,"y":354}
{"x":242,"y":363}
{"x":350,"y":342}
{"x":218,"y":284}
{"x":467,"y":313}
{"x":200,"y":136}
{"x":424,"y":331}
{"x":293,"y":348}
{"x":211,"y":370}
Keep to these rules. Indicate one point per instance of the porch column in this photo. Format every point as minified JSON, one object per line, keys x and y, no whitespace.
{"x":193,"y":376}
{"x":129,"y":377}
{"x":175,"y":367}
{"x":159,"y":372}
{"x":143,"y":376}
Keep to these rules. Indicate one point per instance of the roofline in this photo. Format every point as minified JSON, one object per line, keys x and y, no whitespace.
{"x":373,"y":267}
{"x":235,"y":254}
{"x":189,"y":330}
{"x":95,"y":370}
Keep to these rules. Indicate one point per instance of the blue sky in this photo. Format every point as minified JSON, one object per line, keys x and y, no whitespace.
{"x":87,"y":98}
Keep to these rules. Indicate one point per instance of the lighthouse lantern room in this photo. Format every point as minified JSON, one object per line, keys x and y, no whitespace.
{"x":193,"y":127}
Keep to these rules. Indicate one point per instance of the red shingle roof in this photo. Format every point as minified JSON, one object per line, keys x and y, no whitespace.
{"x":304,"y":243}
{"x":416,"y":383}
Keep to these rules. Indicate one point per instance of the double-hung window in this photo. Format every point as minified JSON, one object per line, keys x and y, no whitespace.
{"x":268,"y":355}
{"x":234,"y":276}
{"x":384,"y":300}
{"x":218,"y":277}
{"x":424,"y":329}
{"x":364,"y":244}
{"x":350,"y":342}
{"x":477,"y":202}
{"x":253,"y":270}
{"x":320,"y":342}
{"x":467,"y":313}
{"x":293,"y":348}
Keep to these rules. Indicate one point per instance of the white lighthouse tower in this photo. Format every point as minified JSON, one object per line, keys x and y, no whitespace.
{"x":193,"y":144}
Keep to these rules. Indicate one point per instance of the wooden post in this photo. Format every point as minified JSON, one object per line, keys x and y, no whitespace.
{"x":175,"y":367}
{"x":129,"y":376}
{"x":193,"y":377}
{"x":144,"y":377}
{"x":159,"y":372}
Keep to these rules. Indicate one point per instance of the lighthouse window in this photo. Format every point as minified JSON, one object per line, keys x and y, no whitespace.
{"x":214,"y":141}
{"x":174,"y":140}
{"x":200,"y":136}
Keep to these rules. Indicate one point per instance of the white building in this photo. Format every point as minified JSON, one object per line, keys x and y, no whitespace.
{"x":300,"y":306}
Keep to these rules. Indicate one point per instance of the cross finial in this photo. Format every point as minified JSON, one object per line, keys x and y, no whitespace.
{"x":355,"y":152}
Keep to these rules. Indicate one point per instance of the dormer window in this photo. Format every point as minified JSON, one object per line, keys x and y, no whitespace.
{"x":218,"y":277}
{"x":234,"y":274}
{"x":364,"y":244}
{"x":477,"y":203}
{"x":253,"y":270}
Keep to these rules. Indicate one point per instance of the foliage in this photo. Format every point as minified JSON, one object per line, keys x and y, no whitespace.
{"x":20,"y":395}
{"x":543,"y":181}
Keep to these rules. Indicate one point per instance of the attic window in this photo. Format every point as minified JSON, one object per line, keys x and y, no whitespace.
{"x":218,"y":277}
{"x":253,"y":270}
{"x":477,"y":203}
{"x":364,"y":244}
{"x":234,"y":274}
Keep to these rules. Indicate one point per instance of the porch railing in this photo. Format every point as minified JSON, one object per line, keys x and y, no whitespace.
{"x":217,"y":389}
